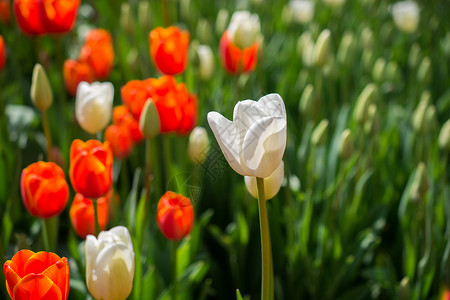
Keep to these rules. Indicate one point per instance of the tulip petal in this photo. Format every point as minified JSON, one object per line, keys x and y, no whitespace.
{"x":274,"y":103}
{"x":245,"y":114}
{"x":272,"y":184}
{"x":19,"y":260}
{"x":227,"y":136}
{"x":264,"y":146}
{"x":36,"y":286}
{"x":122,"y":234}
{"x":40,"y":261}
{"x":59,"y":274}
{"x":11,"y":277}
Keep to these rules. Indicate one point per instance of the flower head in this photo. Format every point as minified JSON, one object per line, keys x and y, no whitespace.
{"x":272,"y":184}
{"x":175,"y":216}
{"x":406,"y":15}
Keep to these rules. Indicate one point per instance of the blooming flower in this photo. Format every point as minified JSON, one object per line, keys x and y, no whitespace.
{"x":110,"y":264}
{"x":82,"y":214}
{"x":175,"y":216}
{"x":98,"y":52}
{"x":93,"y":106}
{"x":76,"y":72}
{"x":44,"y":189}
{"x":168,"y":49}
{"x":40,"y":275}
{"x":272,"y":184}
{"x":254,"y":142}
{"x":91,"y":167}
{"x":406,"y":15}
{"x":122,"y":117}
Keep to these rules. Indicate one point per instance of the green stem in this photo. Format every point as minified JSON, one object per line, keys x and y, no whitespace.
{"x":148,"y":176}
{"x":166,"y":13}
{"x":174,"y":269}
{"x":48,"y":136}
{"x":167,"y":158}
{"x":45,"y":235}
{"x":97,"y":226}
{"x":266,"y":251}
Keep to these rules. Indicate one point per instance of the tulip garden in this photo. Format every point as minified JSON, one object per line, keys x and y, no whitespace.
{"x":188,"y":149}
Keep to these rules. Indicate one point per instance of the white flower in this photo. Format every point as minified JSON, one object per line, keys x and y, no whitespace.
{"x":93,"y":106}
{"x":406,"y":15}
{"x":254,"y":142}
{"x":110,"y":264}
{"x":198,"y":145}
{"x":334,"y":3}
{"x":244,"y":28}
{"x":206,"y":59}
{"x":302,"y":10}
{"x":272,"y":183}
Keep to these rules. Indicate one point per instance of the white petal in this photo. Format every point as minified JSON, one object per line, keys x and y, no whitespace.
{"x":245,"y":114}
{"x":264,"y":146}
{"x":226,"y":133}
{"x":272,"y":183}
{"x":274,"y":104}
{"x":122,"y":234}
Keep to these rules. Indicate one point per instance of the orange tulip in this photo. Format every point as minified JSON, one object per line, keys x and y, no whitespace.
{"x":41,"y":275}
{"x":76,"y":72}
{"x":82,"y":214}
{"x":37,"y":17}
{"x":5,"y":17}
{"x":236,"y":60}
{"x":175,"y":216}
{"x":134,"y":95}
{"x":120,"y":139}
{"x":91,"y":167}
{"x":168,"y":49}
{"x":2,"y":53}
{"x":122,"y":117}
{"x":98,"y":52}
{"x":44,"y":189}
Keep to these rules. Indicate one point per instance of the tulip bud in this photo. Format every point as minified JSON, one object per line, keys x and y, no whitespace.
{"x":424,"y":117}
{"x":93,"y":106}
{"x":144,"y":15}
{"x":308,"y":54}
{"x":244,"y":29}
{"x":367,"y":38}
{"x":185,"y":10}
{"x":204,"y":33}
{"x":198,"y":145}
{"x":404,"y":290}
{"x":303,"y":39}
{"x":367,"y":96}
{"x":149,"y":121}
{"x":133,"y":59}
{"x":444,"y":136}
{"x":302,"y":11}
{"x":346,"y":146}
{"x":272,"y":184}
{"x":306,"y":104}
{"x":424,"y":72}
{"x":110,"y":264}
{"x":372,"y":123}
{"x":319,"y":133}
{"x":379,"y":69}
{"x":335,"y":4}
{"x":346,"y":49}
{"x":415,"y":56}
{"x":322,"y":48}
{"x":420,"y":184}
{"x":221,"y":21}
{"x":41,"y":92}
{"x":126,"y":18}
{"x":206,"y":62}
{"x":175,"y":216}
{"x":406,"y":15}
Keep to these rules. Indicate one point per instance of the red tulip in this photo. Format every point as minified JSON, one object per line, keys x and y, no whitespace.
{"x":2,"y":53}
{"x":175,"y":216}
{"x":37,"y":17}
{"x":91,"y":167}
{"x":5,"y":17}
{"x":82,"y":214}
{"x":76,"y":72}
{"x":41,"y":275}
{"x":44,"y":189}
{"x":134,"y":95}
{"x":120,"y":139}
{"x":98,"y":52}
{"x":236,"y":60}
{"x":168,"y":49}
{"x":122,"y":117}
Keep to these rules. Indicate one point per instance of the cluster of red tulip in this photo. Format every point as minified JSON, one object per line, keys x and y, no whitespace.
{"x":41,"y":17}
{"x":94,"y":63}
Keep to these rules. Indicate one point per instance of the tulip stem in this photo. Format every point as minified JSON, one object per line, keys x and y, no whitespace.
{"x":45,"y":235}
{"x":174,"y":269}
{"x":97,"y":227}
{"x":266,"y":249}
{"x":166,"y":13}
{"x":48,"y":136}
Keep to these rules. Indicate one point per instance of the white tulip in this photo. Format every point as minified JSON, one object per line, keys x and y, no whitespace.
{"x":93,"y":106}
{"x":110,"y":264}
{"x":206,"y":62}
{"x":198,"y":145}
{"x":272,"y":183}
{"x":406,"y":15}
{"x":302,"y":10}
{"x":254,"y":142}
{"x":244,"y":28}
